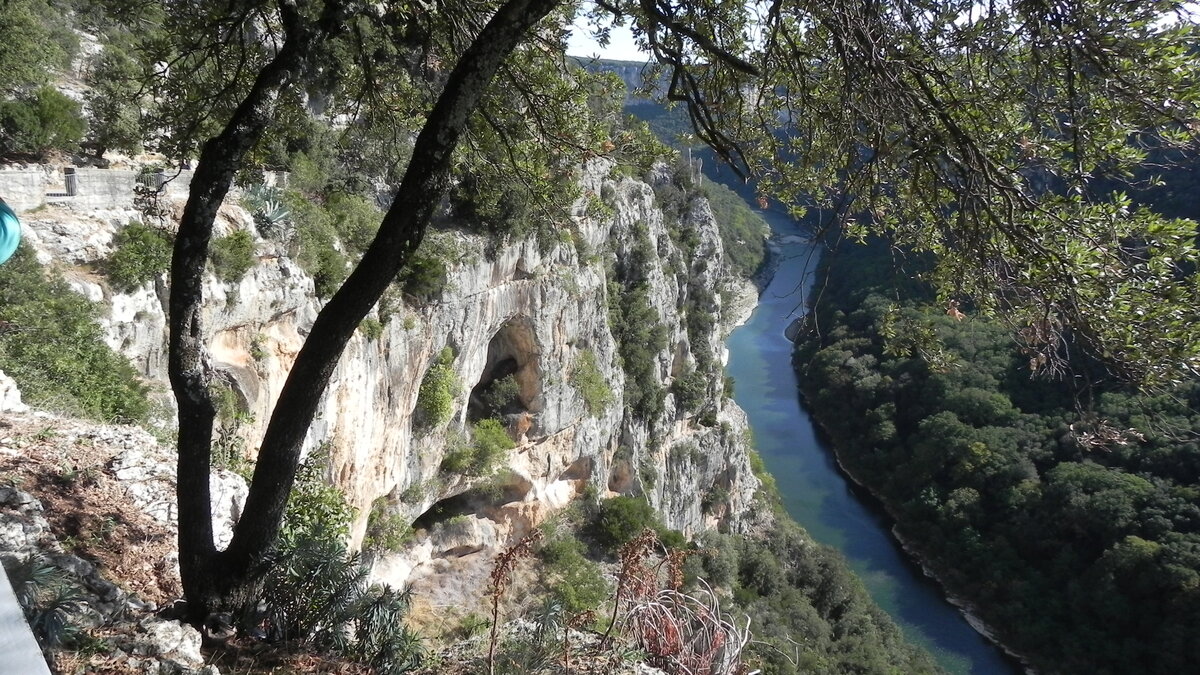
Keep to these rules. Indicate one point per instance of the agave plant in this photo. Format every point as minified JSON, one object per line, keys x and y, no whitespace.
{"x":51,"y":600}
{"x":270,"y":216}
{"x":317,"y":594}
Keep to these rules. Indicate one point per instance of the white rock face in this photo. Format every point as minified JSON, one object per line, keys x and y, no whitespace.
{"x":148,"y":473}
{"x":10,"y":395}
{"x":172,"y":640}
{"x":520,"y":307}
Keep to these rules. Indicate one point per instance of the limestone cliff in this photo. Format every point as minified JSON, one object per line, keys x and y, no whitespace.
{"x":521,"y":308}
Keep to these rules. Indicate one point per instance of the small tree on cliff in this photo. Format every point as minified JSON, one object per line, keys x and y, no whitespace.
{"x":972,"y":132}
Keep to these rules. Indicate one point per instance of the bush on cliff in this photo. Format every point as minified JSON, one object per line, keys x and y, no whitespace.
{"x":573,"y":580}
{"x":620,"y":519}
{"x":435,"y":399}
{"x":40,"y":122}
{"x":232,"y":256}
{"x":52,"y":346}
{"x":140,"y":253}
{"x":489,"y":442}
{"x":587,"y":379}
{"x":640,"y":336}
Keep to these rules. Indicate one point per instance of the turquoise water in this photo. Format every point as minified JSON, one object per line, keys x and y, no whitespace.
{"x":813,"y":490}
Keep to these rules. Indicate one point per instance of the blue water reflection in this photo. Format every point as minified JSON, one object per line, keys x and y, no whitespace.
{"x":815,"y":493}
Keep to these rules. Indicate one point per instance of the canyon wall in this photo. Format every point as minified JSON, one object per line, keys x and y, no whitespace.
{"x":529,"y":309}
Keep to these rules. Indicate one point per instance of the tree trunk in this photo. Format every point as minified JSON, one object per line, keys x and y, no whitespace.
{"x":206,"y":581}
{"x":400,"y":233}
{"x":214,"y":580}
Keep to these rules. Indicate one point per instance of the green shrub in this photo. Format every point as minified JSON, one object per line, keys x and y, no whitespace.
{"x":620,"y":519}
{"x":316,"y":241}
{"x":671,"y":539}
{"x":54,"y":349}
{"x":232,"y":256}
{"x":20,"y":130}
{"x":459,"y":455}
{"x":140,"y":253}
{"x":719,"y":558}
{"x":575,"y":581}
{"x":387,"y":530}
{"x":689,"y":391}
{"x":372,"y":329}
{"x":43,"y":121}
{"x":701,"y":325}
{"x":587,"y":379}
{"x":501,"y":396}
{"x":38,"y":41}
{"x":315,"y":509}
{"x":435,"y":399}
{"x":309,"y":170}
{"x":424,"y":278}
{"x":114,"y":101}
{"x":258,"y":348}
{"x":640,"y":335}
{"x":489,"y":442}
{"x":329,"y":272}
{"x":355,"y":219}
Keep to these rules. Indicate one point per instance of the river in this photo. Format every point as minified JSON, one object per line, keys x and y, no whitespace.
{"x":815,"y":493}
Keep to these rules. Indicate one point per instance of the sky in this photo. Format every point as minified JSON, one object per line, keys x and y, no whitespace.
{"x":620,"y":47}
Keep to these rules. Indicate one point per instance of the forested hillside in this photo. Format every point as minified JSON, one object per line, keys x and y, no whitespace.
{"x":1066,"y":511}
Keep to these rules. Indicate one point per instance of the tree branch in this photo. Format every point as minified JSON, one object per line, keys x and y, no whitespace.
{"x":400,"y":233}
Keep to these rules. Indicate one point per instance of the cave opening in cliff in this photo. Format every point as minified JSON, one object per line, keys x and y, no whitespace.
{"x":509,"y":388}
{"x":483,"y":500}
{"x":446,"y":509}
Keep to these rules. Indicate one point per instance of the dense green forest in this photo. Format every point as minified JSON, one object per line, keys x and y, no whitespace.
{"x":1067,"y":511}
{"x":809,"y":613}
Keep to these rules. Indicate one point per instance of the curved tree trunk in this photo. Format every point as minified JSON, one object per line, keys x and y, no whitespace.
{"x":215,"y":579}
{"x":188,"y":362}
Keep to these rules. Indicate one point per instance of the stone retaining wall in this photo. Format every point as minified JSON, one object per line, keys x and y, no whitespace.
{"x":28,"y":189}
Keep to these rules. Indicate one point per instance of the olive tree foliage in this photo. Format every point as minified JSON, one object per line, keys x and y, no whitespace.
{"x":971,"y":131}
{"x":980,"y":132}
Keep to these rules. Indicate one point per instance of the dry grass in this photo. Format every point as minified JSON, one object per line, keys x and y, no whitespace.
{"x":89,"y":511}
